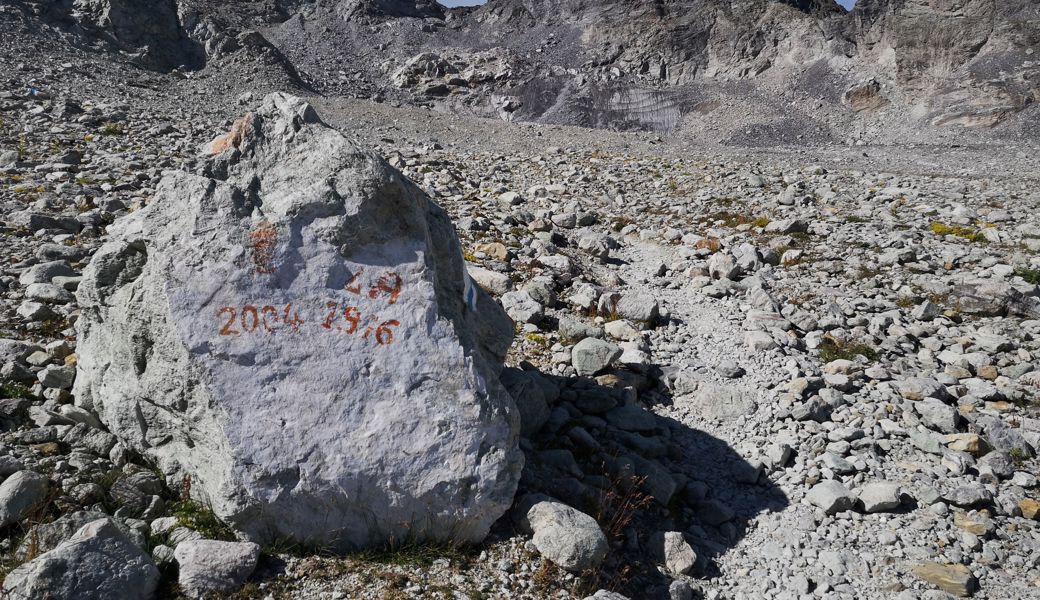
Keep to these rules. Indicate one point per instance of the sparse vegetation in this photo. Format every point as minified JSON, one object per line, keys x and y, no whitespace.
{"x":968,"y":233}
{"x":730,"y":219}
{"x":538,"y":339}
{"x":620,"y":223}
{"x":1030,"y":275}
{"x":112,"y":129}
{"x":833,"y":349}
{"x":14,"y":390}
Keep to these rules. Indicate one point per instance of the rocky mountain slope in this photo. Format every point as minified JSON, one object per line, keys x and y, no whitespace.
{"x":759,"y":72}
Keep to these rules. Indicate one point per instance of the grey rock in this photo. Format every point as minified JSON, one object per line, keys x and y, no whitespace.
{"x":564,"y":535}
{"x":58,"y":377}
{"x":937,"y":415}
{"x":529,"y":398}
{"x":672,"y":549}
{"x":919,"y":388}
{"x":48,"y":293}
{"x":723,"y":265}
{"x":211,"y":566}
{"x":575,"y":330}
{"x":45,"y":272}
{"x":48,"y":536}
{"x":20,"y":494}
{"x":880,"y":496}
{"x":969,"y":496}
{"x":592,"y":355}
{"x":492,"y":281}
{"x":388,"y":423}
{"x":97,"y":562}
{"x":638,"y":308}
{"x":522,"y":308}
{"x":831,"y":496}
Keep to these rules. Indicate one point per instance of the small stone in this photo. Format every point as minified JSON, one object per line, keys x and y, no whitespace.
{"x":759,"y":341}
{"x":969,"y":496}
{"x":831,"y":496}
{"x":492,"y":281}
{"x":1030,"y":509}
{"x":919,"y":388}
{"x":57,"y":377}
{"x":20,"y":494}
{"x":214,"y":567}
{"x":937,"y":415}
{"x":621,"y":330}
{"x":675,"y":552}
{"x":638,"y":308}
{"x":972,"y":443}
{"x":954,"y":579}
{"x":974,"y":523}
{"x":730,"y":370}
{"x":880,"y":496}
{"x":522,"y":308}
{"x":591,"y":355}
{"x":566,"y":536}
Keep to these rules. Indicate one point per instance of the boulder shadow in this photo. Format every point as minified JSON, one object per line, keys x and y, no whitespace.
{"x":604,"y":451}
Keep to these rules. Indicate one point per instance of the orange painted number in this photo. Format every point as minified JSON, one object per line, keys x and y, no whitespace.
{"x":353,"y":286}
{"x":390,"y":283}
{"x":385,"y":335}
{"x":227,"y":328}
{"x":353,"y":316}
{"x":294,"y":320}
{"x":253,"y":322}
{"x":264,"y":312}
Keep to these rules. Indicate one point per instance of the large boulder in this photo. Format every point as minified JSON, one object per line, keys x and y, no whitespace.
{"x":294,"y":332}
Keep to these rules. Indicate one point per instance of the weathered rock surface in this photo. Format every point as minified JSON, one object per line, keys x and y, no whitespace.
{"x":97,"y":562}
{"x":294,"y":331}
{"x":20,"y":494}
{"x":562,"y":534}
{"x":211,"y":566}
{"x":954,"y":579}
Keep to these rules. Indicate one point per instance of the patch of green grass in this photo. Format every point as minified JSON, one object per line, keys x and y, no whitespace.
{"x":112,"y":129}
{"x":53,"y":327}
{"x":961,"y":231}
{"x":865,"y":272}
{"x":538,"y":339}
{"x":855,"y":219}
{"x":832,"y":350}
{"x":14,"y":390}
{"x":1030,"y":275}
{"x":1018,"y":456}
{"x":412,"y":553}
{"x":195,"y":516}
{"x":905,"y":302}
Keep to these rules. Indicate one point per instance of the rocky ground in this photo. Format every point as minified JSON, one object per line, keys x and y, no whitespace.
{"x":742,"y":374}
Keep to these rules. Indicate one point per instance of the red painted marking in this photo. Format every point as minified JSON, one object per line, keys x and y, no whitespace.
{"x":389,"y":283}
{"x":227,"y":328}
{"x":353,"y":286}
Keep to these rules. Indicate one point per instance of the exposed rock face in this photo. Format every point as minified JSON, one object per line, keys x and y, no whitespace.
{"x":967,"y":61}
{"x":296,"y":333}
{"x":150,"y":29}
